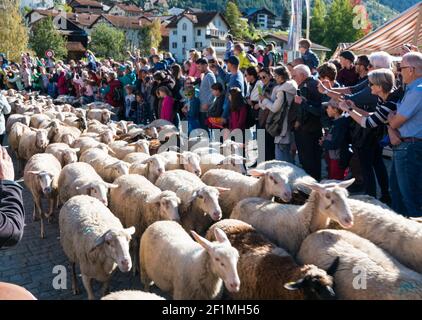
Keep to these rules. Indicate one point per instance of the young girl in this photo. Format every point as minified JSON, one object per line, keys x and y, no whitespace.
{"x":238,"y":110}
{"x":191,"y":108}
{"x":335,"y":141}
{"x":129,"y":99}
{"x":167,"y":103}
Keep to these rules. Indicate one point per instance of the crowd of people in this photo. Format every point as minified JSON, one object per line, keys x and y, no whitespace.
{"x":344,"y":110}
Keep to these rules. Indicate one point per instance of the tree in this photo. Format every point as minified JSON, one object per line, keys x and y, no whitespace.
{"x":150,"y":36}
{"x":318,"y":22}
{"x":13,"y":33}
{"x":107,"y":41}
{"x":45,"y":36}
{"x":238,"y":27}
{"x":340,"y":24}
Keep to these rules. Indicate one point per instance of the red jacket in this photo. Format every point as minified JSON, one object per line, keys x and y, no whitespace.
{"x":238,"y":119}
{"x":109,"y":97}
{"x":61,"y":84}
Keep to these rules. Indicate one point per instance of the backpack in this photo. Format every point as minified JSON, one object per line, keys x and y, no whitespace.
{"x":277,"y":57}
{"x":275,"y":120}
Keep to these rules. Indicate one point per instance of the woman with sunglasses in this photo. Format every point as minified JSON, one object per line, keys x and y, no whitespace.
{"x":269,"y":83}
{"x":381,"y":83}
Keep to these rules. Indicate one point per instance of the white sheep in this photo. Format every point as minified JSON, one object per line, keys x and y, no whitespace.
{"x":186,"y":160}
{"x":108,"y":167}
{"x":399,"y":236}
{"x":199,"y":202}
{"x":365,"y":271}
{"x":63,"y":153}
{"x":135,"y":157}
{"x":93,"y":238}
{"x":198,"y":269}
{"x":86,"y":143}
{"x":16,"y":133}
{"x":41,"y":178}
{"x":218,"y":161}
{"x":122,"y":148}
{"x":58,"y":130}
{"x":151,"y":168}
{"x":13,"y":118}
{"x":32,"y":142}
{"x":132,"y":295}
{"x":288,"y":225}
{"x":80,"y":178}
{"x":269,"y":184}
{"x":102,"y":115}
{"x":37,"y":120}
{"x":137,"y":202}
{"x":294,"y":174}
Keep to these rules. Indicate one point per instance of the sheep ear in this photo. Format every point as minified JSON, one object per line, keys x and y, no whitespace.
{"x":347,"y":183}
{"x":314,"y":186}
{"x":202,"y":241}
{"x":100,"y":241}
{"x":111,"y":165}
{"x":222,"y":190}
{"x":294,"y":285}
{"x":221,"y":236}
{"x":76,"y":149}
{"x":257,"y":172}
{"x":130,"y":231}
{"x":334,"y":266}
{"x":111,"y":185}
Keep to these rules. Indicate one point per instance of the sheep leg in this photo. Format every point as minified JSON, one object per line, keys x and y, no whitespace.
{"x":105,"y":288}
{"x":52,"y":205}
{"x":42,"y":233}
{"x":135,"y":253}
{"x":144,"y":279}
{"x":37,"y":208}
{"x":75,"y":287}
{"x":87,"y":284}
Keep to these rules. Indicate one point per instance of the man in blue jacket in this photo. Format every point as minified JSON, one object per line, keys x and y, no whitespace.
{"x":12,"y":214}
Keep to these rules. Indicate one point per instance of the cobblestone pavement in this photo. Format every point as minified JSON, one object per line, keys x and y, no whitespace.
{"x":30,"y":264}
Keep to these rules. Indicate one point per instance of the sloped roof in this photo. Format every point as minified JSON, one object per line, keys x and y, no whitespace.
{"x":250,"y":11}
{"x":90,"y":3}
{"x":125,"y":22}
{"x":128,"y":8}
{"x":199,"y":19}
{"x":80,"y":19}
{"x":404,"y":28}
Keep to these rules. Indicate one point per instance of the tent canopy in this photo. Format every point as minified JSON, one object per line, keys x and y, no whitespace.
{"x":405,"y":28}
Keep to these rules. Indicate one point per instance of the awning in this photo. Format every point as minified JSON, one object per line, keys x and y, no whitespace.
{"x":405,"y":28}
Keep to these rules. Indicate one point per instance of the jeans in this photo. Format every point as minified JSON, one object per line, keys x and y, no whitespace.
{"x":282,"y":152}
{"x":406,"y":179}
{"x":372,"y":165}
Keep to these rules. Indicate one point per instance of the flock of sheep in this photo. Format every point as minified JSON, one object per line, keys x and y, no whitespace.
{"x":195,"y":223}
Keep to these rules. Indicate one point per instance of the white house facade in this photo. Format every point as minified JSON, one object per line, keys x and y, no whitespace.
{"x":197,"y":31}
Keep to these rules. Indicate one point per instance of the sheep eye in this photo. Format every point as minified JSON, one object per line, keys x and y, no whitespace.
{"x":108,"y":243}
{"x":201,"y":197}
{"x":216,"y":259}
{"x":328,"y":196}
{"x":222,"y":264}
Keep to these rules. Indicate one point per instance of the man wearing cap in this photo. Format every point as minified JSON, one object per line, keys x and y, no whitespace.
{"x":347,"y":76}
{"x":205,"y":94}
{"x":234,"y":79}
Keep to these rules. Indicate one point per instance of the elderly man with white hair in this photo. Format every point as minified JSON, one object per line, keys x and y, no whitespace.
{"x":307,"y":126}
{"x":406,"y":136}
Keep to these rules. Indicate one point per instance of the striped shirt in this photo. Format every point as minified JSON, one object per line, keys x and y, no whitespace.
{"x":379,"y":117}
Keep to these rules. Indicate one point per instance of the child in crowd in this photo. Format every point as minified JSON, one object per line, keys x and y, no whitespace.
{"x":129,"y":99}
{"x":166,"y":111}
{"x":215,"y":111}
{"x":335,"y":142}
{"x":141,"y":111}
{"x":192,"y":107}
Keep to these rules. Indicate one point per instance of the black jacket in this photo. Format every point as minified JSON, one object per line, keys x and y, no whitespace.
{"x":12,"y":214}
{"x":308,"y":113}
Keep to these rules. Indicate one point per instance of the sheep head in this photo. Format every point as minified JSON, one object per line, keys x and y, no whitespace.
{"x":169,"y":204}
{"x":206,"y":199}
{"x":41,"y":139}
{"x":276,"y":183}
{"x":331,"y":201}
{"x":45,"y":181}
{"x":316,"y":283}
{"x":115,"y":244}
{"x":70,"y":156}
{"x":223,"y":258}
{"x":191,"y":162}
{"x":119,"y":168}
{"x":155,"y":167}
{"x":97,"y":189}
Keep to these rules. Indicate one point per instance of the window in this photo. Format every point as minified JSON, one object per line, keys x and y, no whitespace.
{"x":184,"y":27}
{"x":184,"y":39}
{"x":175,"y":32}
{"x":199,"y":32}
{"x":198,"y":45}
{"x":174,"y":45}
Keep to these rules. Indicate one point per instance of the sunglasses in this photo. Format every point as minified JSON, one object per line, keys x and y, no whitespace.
{"x":399,"y":69}
{"x":263,"y":77}
{"x":370,"y":84}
